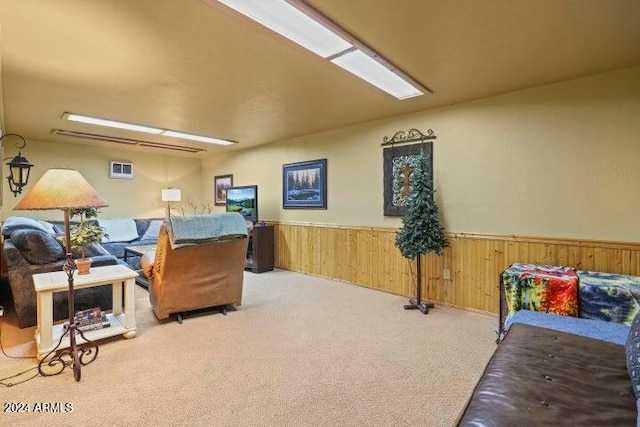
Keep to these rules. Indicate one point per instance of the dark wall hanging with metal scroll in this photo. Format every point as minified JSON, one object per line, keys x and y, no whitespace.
{"x":399,"y":164}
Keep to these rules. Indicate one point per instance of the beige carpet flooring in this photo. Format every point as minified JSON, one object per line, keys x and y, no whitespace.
{"x":300,"y":351}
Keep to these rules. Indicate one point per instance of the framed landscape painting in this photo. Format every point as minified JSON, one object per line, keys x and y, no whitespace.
{"x":222,"y":183}
{"x":304,"y":185}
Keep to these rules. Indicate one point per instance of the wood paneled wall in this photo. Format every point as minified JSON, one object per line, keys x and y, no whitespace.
{"x":367,"y":256}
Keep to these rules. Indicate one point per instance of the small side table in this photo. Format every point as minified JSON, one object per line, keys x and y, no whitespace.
{"x":119,"y":276}
{"x":137,"y":250}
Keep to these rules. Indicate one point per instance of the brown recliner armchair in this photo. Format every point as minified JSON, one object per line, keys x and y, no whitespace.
{"x":196,"y":276}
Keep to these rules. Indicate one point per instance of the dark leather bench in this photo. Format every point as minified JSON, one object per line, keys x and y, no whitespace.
{"x":542,"y":377}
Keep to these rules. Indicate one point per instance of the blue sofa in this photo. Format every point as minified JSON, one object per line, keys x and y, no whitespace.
{"x":145,"y":232}
{"x":30,"y":248}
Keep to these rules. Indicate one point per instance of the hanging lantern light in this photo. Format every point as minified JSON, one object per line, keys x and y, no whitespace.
{"x":19,"y":167}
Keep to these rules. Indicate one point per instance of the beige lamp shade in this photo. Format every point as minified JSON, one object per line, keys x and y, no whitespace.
{"x":171,"y":195}
{"x":61,"y":189}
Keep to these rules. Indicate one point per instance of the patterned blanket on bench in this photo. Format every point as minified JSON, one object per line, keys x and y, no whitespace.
{"x":609,"y":297}
{"x":547,"y":289}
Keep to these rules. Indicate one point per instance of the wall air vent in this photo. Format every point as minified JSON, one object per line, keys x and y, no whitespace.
{"x":122,"y":170}
{"x":125,"y":141}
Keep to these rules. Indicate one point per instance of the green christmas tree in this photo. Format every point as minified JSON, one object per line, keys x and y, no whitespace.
{"x":421,"y":232}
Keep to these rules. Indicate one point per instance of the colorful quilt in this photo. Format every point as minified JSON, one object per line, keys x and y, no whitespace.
{"x":609,"y":297}
{"x":547,"y":289}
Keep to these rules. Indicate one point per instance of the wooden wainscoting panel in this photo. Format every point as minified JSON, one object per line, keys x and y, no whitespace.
{"x":388,"y":279}
{"x":341,"y":257}
{"x":377,"y":255}
{"x":363,"y":258}
{"x":327,"y":268}
{"x":635,"y":262}
{"x":367,"y":256}
{"x":313,"y":251}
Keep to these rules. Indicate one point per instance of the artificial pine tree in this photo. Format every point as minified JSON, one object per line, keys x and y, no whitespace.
{"x":421,"y":232}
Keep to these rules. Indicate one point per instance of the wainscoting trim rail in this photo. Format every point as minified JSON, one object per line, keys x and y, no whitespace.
{"x":486,"y":236}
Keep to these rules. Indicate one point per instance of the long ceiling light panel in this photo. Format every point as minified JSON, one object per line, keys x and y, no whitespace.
{"x":367,"y":68}
{"x":126,"y":141}
{"x":192,"y":137}
{"x":140,"y":128}
{"x":110,"y":123}
{"x":305,"y":26}
{"x":292,"y":23}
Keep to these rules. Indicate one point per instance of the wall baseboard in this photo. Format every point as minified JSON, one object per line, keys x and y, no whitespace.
{"x":367,"y":256}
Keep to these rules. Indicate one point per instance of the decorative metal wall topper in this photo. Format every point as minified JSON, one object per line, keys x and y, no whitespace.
{"x":412,"y":135}
{"x":399,"y":163}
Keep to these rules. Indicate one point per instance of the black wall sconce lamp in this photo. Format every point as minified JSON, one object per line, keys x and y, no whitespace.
{"x":19,"y":167}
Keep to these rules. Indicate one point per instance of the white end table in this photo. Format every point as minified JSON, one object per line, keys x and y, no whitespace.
{"x":48,"y":334}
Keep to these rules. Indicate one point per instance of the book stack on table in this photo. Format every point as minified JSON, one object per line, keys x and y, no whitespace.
{"x":91,"y":319}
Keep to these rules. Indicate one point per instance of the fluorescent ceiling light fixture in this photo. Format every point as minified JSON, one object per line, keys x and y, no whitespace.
{"x":110,"y":123}
{"x":127,"y":141}
{"x":193,"y":137}
{"x":140,"y":128}
{"x":299,"y":22}
{"x":289,"y":21}
{"x":367,"y":68}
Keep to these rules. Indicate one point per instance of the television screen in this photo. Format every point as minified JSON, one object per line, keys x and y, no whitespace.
{"x":243,"y":200}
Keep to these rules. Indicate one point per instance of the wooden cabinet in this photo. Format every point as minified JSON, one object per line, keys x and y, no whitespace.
{"x":260,"y":250}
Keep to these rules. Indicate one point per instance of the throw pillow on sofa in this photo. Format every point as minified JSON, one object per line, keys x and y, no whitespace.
{"x":48,"y":227}
{"x":37,"y":246}
{"x":119,"y":230}
{"x":14,"y":223}
{"x":153,"y":231}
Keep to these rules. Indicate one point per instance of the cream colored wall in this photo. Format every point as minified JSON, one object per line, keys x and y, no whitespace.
{"x":138,"y":197}
{"x":1,"y":114}
{"x":555,"y":161}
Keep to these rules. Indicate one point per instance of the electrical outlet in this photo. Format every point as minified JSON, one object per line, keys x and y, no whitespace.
{"x":447,"y":274}
{"x":1,"y":311}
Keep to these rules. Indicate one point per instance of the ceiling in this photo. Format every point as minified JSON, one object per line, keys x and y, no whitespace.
{"x":198,"y":67}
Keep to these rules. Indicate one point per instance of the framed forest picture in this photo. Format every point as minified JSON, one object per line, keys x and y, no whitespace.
{"x":304,"y":185}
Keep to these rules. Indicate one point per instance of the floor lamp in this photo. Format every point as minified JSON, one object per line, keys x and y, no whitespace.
{"x":65,"y":189}
{"x":170,"y":195}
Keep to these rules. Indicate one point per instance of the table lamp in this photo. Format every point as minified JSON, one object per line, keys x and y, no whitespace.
{"x":170,"y":195}
{"x":65,"y":189}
